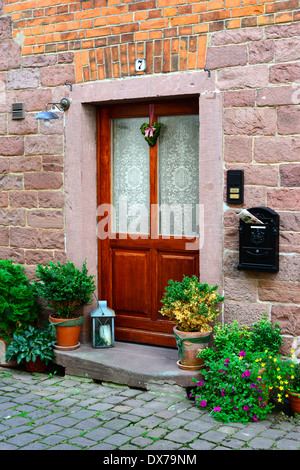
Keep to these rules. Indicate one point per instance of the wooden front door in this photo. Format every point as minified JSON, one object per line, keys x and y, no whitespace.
{"x":147,"y":213}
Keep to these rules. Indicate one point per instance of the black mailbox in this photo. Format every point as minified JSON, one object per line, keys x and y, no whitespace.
{"x":259,"y":243}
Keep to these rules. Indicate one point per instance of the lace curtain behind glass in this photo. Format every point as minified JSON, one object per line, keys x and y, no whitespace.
{"x":179,"y":175}
{"x":130,"y":176}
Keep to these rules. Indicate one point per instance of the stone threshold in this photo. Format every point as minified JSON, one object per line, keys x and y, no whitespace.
{"x":135,"y":365}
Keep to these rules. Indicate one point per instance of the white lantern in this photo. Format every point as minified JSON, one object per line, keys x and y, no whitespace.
{"x":103,"y":330}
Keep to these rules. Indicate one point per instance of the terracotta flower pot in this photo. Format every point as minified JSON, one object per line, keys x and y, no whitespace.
{"x":67,"y":336}
{"x":37,"y":366}
{"x":294,"y":399}
{"x":189,"y":344}
{"x":3,"y":361}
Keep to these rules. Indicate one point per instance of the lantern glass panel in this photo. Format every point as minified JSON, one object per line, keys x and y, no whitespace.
{"x":103,"y":332}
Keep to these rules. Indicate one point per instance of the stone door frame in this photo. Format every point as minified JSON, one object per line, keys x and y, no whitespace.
{"x":80,"y":169}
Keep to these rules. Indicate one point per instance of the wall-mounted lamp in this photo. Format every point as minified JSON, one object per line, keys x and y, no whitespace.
{"x":48,"y":115}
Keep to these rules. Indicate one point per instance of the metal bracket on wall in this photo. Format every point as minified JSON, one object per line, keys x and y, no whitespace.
{"x":206,"y":70}
{"x":68,"y":84}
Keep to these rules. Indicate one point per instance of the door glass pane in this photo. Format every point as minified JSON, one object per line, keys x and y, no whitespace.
{"x":130,"y":176}
{"x":179,"y":175}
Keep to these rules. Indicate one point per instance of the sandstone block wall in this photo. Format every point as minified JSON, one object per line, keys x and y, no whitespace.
{"x":253,"y":48}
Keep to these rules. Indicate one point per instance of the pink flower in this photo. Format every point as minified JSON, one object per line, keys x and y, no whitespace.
{"x":223,"y":392}
{"x":247,"y":373}
{"x":203,"y":403}
{"x":217,"y":408}
{"x":199,"y":384}
{"x":242,"y":354}
{"x":255,"y":418}
{"x":245,"y":407}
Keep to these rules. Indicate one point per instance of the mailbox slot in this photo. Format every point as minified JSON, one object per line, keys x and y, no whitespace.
{"x":259,"y":243}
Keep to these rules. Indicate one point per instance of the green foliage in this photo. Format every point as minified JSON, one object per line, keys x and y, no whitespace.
{"x":266,"y":335}
{"x":241,"y":369}
{"x":191,"y":304}
{"x":232,"y":389}
{"x":294,"y":380}
{"x":18,"y":300}
{"x":279,"y":374}
{"x":64,"y":287}
{"x":234,"y":338}
{"x":30,"y":345}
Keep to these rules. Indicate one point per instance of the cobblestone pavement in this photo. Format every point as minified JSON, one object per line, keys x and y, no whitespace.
{"x":52,"y":412}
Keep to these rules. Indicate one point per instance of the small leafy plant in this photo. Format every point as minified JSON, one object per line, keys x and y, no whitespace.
{"x":266,"y":335}
{"x":242,"y":370}
{"x":191,"y":305}
{"x":280,"y":375}
{"x":263,"y":336}
{"x":275,"y":372}
{"x":232,"y":390}
{"x":18,"y":300}
{"x":64,"y":287}
{"x":32,"y":344}
{"x":231,"y":337}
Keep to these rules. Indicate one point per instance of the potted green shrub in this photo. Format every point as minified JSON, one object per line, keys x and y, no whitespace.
{"x":192,"y":306}
{"x":293,"y":386}
{"x":280,"y":377}
{"x":19,"y":306}
{"x":265,"y":335}
{"x":65,"y":288}
{"x":33,"y":348}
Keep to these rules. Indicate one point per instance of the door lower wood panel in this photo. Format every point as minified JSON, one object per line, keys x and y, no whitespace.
{"x":131,"y":282}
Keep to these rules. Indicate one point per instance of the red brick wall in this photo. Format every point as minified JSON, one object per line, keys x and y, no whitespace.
{"x":107,"y":35}
{"x":253,"y":47}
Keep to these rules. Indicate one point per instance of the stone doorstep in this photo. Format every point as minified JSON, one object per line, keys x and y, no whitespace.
{"x":135,"y":365}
